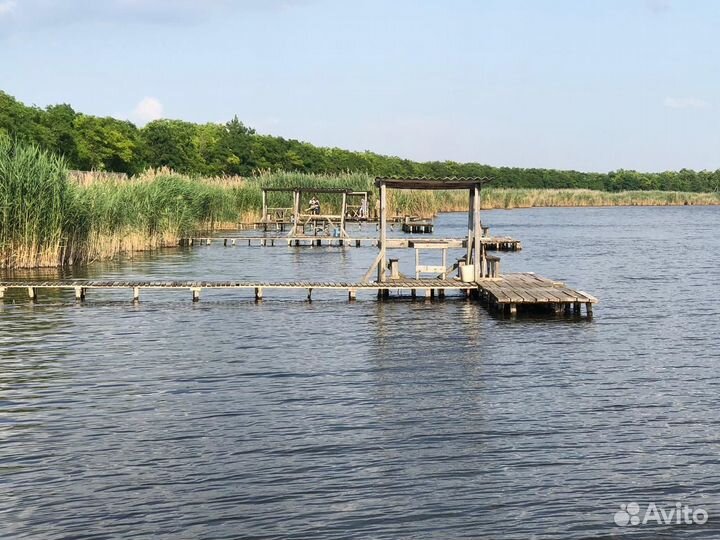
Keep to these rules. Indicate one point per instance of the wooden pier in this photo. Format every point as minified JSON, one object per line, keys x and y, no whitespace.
{"x":492,"y":243}
{"x":508,"y":294}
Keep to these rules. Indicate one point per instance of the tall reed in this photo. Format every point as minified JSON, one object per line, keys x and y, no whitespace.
{"x":35,"y":205}
{"x":50,"y":219}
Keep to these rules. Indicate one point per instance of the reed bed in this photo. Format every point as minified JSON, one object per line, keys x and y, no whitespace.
{"x":50,"y":217}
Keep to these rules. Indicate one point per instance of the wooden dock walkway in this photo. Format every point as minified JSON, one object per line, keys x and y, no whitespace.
{"x":491,"y":243}
{"x":506,"y":294}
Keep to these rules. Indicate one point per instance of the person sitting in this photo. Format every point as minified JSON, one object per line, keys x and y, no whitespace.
{"x":314,"y":205}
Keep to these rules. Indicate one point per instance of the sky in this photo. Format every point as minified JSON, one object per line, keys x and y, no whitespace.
{"x":590,"y":85}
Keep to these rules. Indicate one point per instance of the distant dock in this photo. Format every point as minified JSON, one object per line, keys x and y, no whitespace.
{"x":491,"y":243}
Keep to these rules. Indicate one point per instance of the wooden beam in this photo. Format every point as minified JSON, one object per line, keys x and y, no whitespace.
{"x":366,"y":277}
{"x":478,"y":248}
{"x":383,"y":232}
{"x":265,"y":217}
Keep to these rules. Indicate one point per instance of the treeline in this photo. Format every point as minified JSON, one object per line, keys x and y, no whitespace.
{"x":108,"y":144}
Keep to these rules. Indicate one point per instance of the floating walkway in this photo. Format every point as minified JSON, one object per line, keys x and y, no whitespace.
{"x":507,"y":294}
{"x":491,"y":243}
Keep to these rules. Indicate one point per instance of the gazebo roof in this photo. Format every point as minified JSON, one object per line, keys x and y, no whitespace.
{"x":452,"y":182}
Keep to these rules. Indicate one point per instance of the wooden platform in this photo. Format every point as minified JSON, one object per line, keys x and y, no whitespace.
{"x":511,"y":292}
{"x":418,"y":227}
{"x":497,"y":243}
{"x":506,"y":294}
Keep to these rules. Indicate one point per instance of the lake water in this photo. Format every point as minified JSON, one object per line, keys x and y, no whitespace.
{"x":392,"y":420}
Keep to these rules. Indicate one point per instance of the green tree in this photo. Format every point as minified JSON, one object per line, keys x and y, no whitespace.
{"x":171,"y":143}
{"x":107,"y":144}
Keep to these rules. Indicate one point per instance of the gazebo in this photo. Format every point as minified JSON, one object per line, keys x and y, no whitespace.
{"x":279,"y":215}
{"x":475,"y":250}
{"x":323,"y":221}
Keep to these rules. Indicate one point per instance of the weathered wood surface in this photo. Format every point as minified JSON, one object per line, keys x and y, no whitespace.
{"x":405,"y":283}
{"x":528,"y":288}
{"x":508,"y":291}
{"x":524,"y":288}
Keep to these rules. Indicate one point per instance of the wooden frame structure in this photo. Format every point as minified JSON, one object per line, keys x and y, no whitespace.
{"x":280,"y":215}
{"x":327,"y":221}
{"x":475,"y":249}
{"x":354,"y":211}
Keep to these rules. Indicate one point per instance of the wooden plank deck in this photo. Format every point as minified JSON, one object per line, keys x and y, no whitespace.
{"x":506,"y":293}
{"x":512,"y":291}
{"x":491,"y":243}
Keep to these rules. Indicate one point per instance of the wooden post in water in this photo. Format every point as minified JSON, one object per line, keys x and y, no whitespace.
{"x":589,"y":309}
{"x":352,"y":294}
{"x":2,"y":292}
{"x":136,"y":294}
{"x":258,"y":294}
{"x":32,"y":294}
{"x":195,"y":293}
{"x":79,"y":294}
{"x":309,"y":296}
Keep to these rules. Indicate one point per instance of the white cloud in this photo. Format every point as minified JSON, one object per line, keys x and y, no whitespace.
{"x":147,"y":110}
{"x":685,"y":103}
{"x":7,"y":7}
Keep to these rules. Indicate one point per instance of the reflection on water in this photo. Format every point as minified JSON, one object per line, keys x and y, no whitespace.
{"x":400,"y":419}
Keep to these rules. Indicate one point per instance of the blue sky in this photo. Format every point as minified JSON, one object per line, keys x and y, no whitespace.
{"x":575,"y":84}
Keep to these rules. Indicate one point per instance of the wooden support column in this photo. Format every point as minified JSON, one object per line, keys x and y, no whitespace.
{"x":136,"y":294}
{"x":413,"y":293}
{"x":32,"y":294}
{"x":2,"y":292}
{"x":383,"y":233}
{"x":264,"y":207}
{"x":576,"y":308}
{"x":513,"y":310}
{"x":233,"y":241}
{"x":342,"y":217}
{"x":478,"y":252}
{"x":468,"y":258}
{"x":309,"y":295}
{"x":589,"y":309}
{"x":357,"y":243}
{"x":352,"y":294}
{"x":258,"y":294}
{"x":195,"y":293}
{"x":296,"y":213}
